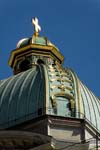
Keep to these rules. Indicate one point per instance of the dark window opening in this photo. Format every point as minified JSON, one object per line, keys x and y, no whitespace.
{"x":53,"y":64}
{"x":40,"y":61}
{"x":24,"y":65}
{"x":68,"y":105}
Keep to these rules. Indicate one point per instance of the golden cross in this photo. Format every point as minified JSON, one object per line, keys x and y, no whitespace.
{"x":37,"y":27}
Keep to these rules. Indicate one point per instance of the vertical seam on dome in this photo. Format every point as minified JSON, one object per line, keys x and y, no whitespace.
{"x":98,"y":122}
{"x":38,"y":91}
{"x":23,"y":84}
{"x":6,"y":88}
{"x":6,"y":97}
{"x":39,"y":88}
{"x":21,"y":89}
{"x":77,"y":88}
{"x":4,"y":82}
{"x":92,"y":105}
{"x":45,"y":78}
{"x":83,"y":106}
{"x":86,"y":99}
{"x":35,"y":77}
{"x":96,"y":102}
{"x":15,"y":86}
{"x":29,"y":92}
{"x":10,"y":99}
{"x":96,"y":98}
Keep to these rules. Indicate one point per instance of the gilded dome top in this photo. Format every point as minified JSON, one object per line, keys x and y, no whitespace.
{"x":38,"y":40}
{"x":35,"y":39}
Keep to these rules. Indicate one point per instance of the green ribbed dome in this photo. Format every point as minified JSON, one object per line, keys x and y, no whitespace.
{"x":46,"y":90}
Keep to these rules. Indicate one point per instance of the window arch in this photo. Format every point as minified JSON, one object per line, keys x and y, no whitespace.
{"x":63,"y":106}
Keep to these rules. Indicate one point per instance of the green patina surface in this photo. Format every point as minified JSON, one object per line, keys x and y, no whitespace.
{"x":34,"y":40}
{"x":22,"y":97}
{"x":40,"y":40}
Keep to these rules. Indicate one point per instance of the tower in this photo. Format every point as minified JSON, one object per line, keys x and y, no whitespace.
{"x":44,"y":105}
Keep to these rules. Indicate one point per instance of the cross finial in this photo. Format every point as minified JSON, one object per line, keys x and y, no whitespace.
{"x":37,"y":27}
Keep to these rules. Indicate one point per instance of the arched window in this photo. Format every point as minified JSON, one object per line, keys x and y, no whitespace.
{"x":24,"y":65}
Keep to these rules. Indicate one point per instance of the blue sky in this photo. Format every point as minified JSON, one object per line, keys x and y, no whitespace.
{"x":72,"y":25}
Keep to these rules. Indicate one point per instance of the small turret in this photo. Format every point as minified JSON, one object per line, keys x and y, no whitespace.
{"x":34,"y":50}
